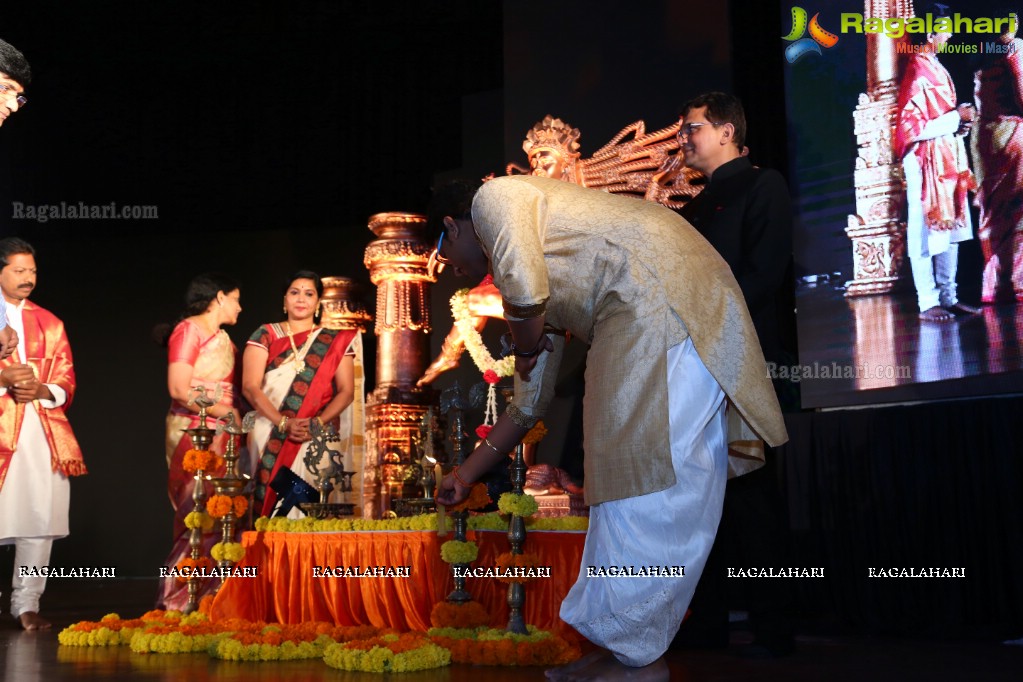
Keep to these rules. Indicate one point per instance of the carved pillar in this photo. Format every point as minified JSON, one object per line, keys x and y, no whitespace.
{"x":878,"y":228}
{"x":343,"y":309}
{"x":397,"y":262}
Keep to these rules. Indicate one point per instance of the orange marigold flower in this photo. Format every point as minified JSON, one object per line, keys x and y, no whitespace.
{"x":241,"y":505}
{"x":535,"y":434}
{"x":477,"y":499}
{"x":219,"y":505}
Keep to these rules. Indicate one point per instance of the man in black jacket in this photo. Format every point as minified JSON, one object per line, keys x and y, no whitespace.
{"x":745,"y":213}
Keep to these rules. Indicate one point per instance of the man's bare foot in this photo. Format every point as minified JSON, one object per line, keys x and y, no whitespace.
{"x":936,"y":314}
{"x":602,"y":666}
{"x":30,"y":620}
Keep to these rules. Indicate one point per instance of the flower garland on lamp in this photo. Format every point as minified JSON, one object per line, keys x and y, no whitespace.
{"x":451,"y":613}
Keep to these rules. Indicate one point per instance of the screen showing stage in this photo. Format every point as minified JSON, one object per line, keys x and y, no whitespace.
{"x":872,"y":188}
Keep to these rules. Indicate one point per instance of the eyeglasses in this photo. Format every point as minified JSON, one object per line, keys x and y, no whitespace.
{"x":686,"y":130}
{"x":436,"y":264}
{"x":7,"y":91}
{"x":440,"y":242}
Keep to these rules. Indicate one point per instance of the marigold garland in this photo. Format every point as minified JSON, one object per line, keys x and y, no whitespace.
{"x":519,"y":504}
{"x":219,"y":506}
{"x":188,"y":565}
{"x":388,"y":653}
{"x":488,"y":646}
{"x":470,"y":614}
{"x":535,"y":434}
{"x":422,"y":522}
{"x":459,"y":552}
{"x":478,"y":498}
{"x":201,"y":460}
{"x":286,"y":642}
{"x":109,"y":631}
{"x":230,"y":551}
{"x":473,"y":341}
{"x":509,"y":562}
{"x":202,"y":520}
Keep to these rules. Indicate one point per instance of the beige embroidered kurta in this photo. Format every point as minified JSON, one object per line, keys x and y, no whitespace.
{"x":632,"y":279}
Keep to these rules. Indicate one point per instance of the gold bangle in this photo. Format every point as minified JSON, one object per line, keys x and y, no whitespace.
{"x":458,"y":479}
{"x":283,"y":424}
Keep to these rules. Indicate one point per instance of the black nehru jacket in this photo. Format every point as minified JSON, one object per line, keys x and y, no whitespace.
{"x":745,"y":213}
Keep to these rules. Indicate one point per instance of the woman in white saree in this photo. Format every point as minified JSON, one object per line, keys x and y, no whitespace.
{"x":295,"y":372}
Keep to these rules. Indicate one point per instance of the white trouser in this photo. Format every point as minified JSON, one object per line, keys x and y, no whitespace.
{"x":935,"y":278}
{"x":636,"y":618}
{"x":26,"y":591}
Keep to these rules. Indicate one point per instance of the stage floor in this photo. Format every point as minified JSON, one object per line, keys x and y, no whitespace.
{"x":875,"y":349}
{"x":822,"y":652}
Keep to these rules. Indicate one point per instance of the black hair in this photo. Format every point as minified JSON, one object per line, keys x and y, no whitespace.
{"x":14,"y":65}
{"x":721,"y":108}
{"x":10,"y":246}
{"x":203,"y":290}
{"x":453,"y":199}
{"x":303,"y":274}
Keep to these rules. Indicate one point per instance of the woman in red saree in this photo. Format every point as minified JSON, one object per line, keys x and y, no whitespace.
{"x":294,"y":372}
{"x":200,"y":354}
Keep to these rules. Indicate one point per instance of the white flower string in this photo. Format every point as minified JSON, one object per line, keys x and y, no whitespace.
{"x":472,"y":339}
{"x":485,"y":362}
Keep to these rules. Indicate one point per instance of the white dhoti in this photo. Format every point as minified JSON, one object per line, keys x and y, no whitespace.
{"x":636,"y":618}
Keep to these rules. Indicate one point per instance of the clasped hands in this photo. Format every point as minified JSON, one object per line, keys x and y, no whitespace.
{"x":967,"y":115}
{"x":21,"y":382}
{"x":298,"y":429}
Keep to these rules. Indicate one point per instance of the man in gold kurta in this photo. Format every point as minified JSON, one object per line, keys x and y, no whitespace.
{"x":675,"y":385}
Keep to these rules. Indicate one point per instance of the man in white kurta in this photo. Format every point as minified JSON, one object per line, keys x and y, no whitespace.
{"x":677,"y":394}
{"x":37,"y":449}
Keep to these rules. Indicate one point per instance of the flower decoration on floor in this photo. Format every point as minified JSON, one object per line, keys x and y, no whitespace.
{"x":459,"y":552}
{"x":279,"y":642}
{"x":109,"y":631}
{"x":459,"y":615}
{"x":388,"y":653}
{"x":488,"y":646}
{"x":519,"y":504}
{"x":229,"y":551}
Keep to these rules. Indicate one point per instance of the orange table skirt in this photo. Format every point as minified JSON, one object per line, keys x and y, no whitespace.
{"x":285,"y":590}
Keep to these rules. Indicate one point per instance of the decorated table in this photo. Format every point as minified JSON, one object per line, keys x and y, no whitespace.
{"x":295,"y":578}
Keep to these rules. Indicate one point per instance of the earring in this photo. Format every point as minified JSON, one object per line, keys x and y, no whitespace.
{"x":285,"y":309}
{"x":319,"y":307}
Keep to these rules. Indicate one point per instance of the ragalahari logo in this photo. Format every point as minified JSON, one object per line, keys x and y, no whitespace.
{"x":802,"y":46}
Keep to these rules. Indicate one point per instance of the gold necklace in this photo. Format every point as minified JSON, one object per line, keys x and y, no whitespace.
{"x":299,"y":364}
